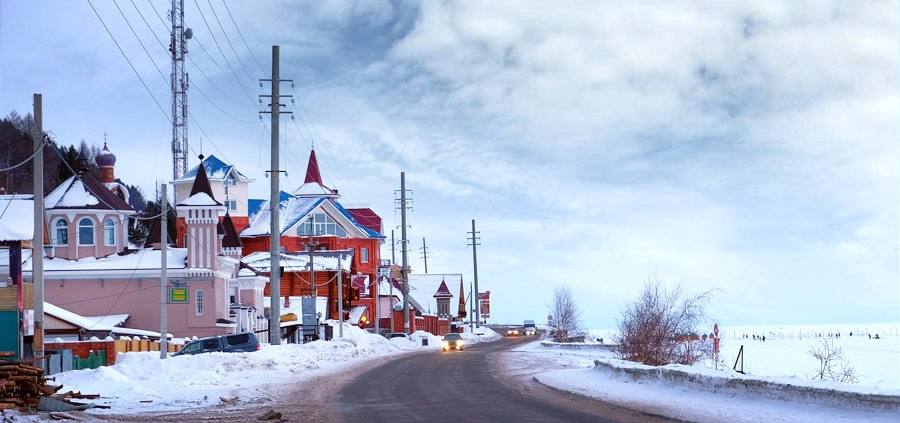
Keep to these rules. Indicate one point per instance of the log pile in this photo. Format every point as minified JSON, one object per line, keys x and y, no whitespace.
{"x":22,"y":385}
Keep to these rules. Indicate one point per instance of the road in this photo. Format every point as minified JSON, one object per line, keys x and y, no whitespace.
{"x":460,"y":387}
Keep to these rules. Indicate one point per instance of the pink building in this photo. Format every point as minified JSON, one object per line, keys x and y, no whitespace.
{"x":91,"y":271}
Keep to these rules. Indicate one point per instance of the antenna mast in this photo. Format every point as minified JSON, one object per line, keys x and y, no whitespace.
{"x":179,"y":86}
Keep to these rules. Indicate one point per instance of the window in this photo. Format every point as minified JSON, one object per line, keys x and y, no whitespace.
{"x":211,"y":344}
{"x":109,"y":232}
{"x":321,"y":224}
{"x":241,"y":338}
{"x":229,"y":181}
{"x":61,"y":234}
{"x":86,"y":231}
{"x":364,"y":255}
{"x":232,"y":205}
{"x":198,"y":302}
{"x":193,"y":347}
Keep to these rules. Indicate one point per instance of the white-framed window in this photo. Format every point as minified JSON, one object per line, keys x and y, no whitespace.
{"x":61,"y":232}
{"x":86,"y":231}
{"x":232,"y":205}
{"x":364,"y":255}
{"x":109,"y":232}
{"x":229,"y":181}
{"x":198,"y":301}
{"x":321,"y":224}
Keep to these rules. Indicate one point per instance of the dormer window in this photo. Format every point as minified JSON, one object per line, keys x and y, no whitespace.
{"x":321,"y":224}
{"x":229,"y":180}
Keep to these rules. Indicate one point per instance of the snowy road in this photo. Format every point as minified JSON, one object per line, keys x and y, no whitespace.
{"x":460,"y":386}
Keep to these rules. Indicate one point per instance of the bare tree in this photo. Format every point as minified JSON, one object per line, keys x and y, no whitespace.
{"x":565,"y":312}
{"x":659,"y":328}
{"x":832,"y":364}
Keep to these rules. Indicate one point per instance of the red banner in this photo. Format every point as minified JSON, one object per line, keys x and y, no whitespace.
{"x":485,"y":308}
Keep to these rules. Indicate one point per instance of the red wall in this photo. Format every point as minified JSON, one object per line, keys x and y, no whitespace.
{"x":81,"y":349}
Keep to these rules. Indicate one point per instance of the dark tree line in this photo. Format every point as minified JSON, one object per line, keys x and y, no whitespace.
{"x":17,"y":145}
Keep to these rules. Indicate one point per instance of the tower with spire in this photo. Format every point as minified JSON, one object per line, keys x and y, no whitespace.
{"x":198,"y":216}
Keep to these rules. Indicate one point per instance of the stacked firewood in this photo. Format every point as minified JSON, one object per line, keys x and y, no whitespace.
{"x":22,"y":385}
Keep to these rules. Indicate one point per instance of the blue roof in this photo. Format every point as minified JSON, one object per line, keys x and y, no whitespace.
{"x":348,"y":215}
{"x":254,"y":204}
{"x":215,"y":169}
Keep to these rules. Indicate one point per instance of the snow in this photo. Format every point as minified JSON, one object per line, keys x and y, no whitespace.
{"x":296,"y":262}
{"x":145,"y":259}
{"x":71,"y":193}
{"x":101,"y":323}
{"x":199,"y":199}
{"x":291,"y":211}
{"x":202,"y":380}
{"x":295,"y":305}
{"x":16,"y":217}
{"x":775,"y":389}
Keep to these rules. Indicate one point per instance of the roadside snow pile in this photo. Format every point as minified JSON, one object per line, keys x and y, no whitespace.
{"x":141,"y":382}
{"x":482,"y":334}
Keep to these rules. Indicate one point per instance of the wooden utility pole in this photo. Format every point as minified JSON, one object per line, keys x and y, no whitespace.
{"x":391,"y":279}
{"x":340,"y":285}
{"x":37,"y":252}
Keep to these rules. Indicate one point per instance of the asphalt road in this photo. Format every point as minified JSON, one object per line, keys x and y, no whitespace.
{"x":449,"y":387}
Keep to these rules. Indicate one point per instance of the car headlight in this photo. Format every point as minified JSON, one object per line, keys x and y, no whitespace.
{"x":459,"y":343}
{"x":446,"y":344}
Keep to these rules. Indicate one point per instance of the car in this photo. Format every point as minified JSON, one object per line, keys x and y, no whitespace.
{"x":452,"y":341}
{"x":397,"y":335}
{"x":238,"y":342}
{"x":512,"y":332}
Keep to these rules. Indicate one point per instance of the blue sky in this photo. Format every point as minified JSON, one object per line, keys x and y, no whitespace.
{"x":748,"y":148}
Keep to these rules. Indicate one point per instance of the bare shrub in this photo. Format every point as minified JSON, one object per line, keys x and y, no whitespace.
{"x":565,"y":312}
{"x":657,"y":328}
{"x":832,"y":364}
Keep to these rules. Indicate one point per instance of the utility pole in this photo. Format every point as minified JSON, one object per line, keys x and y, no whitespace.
{"x":340,"y":284}
{"x":391,"y":279}
{"x":404,"y":271}
{"x":425,"y":254}
{"x":274,"y":202}
{"x":474,"y":239}
{"x":472,"y":305}
{"x":37,"y":252}
{"x":178,"y":81}
{"x":164,"y":277}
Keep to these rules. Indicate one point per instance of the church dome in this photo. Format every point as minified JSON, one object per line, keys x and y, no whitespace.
{"x":105,"y":157}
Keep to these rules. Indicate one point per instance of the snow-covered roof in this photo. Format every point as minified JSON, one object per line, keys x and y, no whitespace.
{"x":297,"y":262}
{"x":110,"y":320}
{"x":423,"y":286}
{"x":98,"y":324}
{"x":144,"y":259}
{"x":84,"y":191}
{"x":216,"y":170}
{"x":292,"y":210}
{"x":199,"y":199}
{"x":16,"y":217}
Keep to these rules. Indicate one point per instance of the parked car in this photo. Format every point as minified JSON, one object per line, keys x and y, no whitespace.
{"x":397,"y":335}
{"x":512,"y":332}
{"x":239,"y":342}
{"x":452,"y":341}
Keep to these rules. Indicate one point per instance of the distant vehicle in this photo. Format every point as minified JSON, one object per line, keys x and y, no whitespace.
{"x":512,"y":332}
{"x":529,"y":328}
{"x":239,"y":342}
{"x":452,"y":341}
{"x":397,"y":335}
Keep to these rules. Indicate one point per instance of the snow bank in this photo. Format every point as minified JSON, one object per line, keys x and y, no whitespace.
{"x":482,"y":334}
{"x":141,"y":382}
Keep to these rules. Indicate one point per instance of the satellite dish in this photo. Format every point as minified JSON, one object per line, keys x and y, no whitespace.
{"x":188,"y":33}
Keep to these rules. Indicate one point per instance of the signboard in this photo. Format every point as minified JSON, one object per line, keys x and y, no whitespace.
{"x":384,"y":272}
{"x":309,"y":318}
{"x":485,"y":309}
{"x":178,"y":295}
{"x":484,"y":296}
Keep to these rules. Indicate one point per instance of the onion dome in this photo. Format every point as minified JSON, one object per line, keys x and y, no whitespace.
{"x":105,"y":157}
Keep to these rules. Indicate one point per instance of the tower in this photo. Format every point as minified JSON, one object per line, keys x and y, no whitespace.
{"x":442,"y":298}
{"x":179,"y":85}
{"x":199,"y":214}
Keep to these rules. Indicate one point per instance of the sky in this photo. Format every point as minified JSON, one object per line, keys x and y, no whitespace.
{"x":749,"y":148}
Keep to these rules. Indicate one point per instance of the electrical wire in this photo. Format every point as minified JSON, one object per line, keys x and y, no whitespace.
{"x":233,"y":50}
{"x":219,"y":47}
{"x":17,"y":165}
{"x":241,"y":34}
{"x":125,"y":56}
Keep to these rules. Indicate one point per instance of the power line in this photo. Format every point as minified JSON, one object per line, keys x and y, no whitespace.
{"x":125,"y":56}
{"x":242,"y":36}
{"x":39,"y":149}
{"x":236,"y":55}
{"x":219,"y":47}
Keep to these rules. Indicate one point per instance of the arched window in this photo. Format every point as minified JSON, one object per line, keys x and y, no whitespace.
{"x":109,"y":232}
{"x":321,"y":224}
{"x":86,"y":231}
{"x":61,"y":232}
